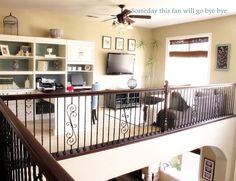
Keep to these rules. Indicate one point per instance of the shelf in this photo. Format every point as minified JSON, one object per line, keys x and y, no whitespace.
{"x":40,"y":64}
{"x":16,"y":72}
{"x":79,"y":63}
{"x":18,"y":91}
{"x":50,"y":72}
{"x":123,"y":100}
{"x":49,"y":58}
{"x":82,"y":87}
{"x":73,"y":71}
{"x":12,"y":57}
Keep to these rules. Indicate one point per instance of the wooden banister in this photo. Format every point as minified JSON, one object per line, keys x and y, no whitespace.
{"x":50,"y":168}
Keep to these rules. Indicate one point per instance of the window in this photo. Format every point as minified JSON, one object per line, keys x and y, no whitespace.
{"x":187,"y":61}
{"x":183,"y":167}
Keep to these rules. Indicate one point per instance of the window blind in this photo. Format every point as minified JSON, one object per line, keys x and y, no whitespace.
{"x":192,"y":47}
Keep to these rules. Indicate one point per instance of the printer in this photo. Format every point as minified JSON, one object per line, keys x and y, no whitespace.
{"x":45,"y":84}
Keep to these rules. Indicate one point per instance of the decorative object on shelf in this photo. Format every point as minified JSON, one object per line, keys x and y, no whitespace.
{"x":49,"y":53}
{"x":131,"y":45}
{"x":56,"y":33}
{"x":56,"y":65}
{"x":10,"y":25}
{"x":15,"y":65}
{"x":27,"y":83}
{"x":4,"y":50}
{"x":70,"y":88}
{"x":223,"y":55}
{"x":208,"y":169}
{"x":87,"y":67}
{"x":6,"y":82}
{"x":106,"y":42}
{"x":49,"y":50}
{"x":42,"y":66}
{"x":132,"y":83}
{"x":26,"y":50}
{"x":20,"y":53}
{"x":119,"y":43}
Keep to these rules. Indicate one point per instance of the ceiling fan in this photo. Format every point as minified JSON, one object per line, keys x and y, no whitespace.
{"x":124,"y":18}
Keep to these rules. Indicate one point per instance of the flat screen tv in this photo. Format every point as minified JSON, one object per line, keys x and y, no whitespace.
{"x":120,"y":63}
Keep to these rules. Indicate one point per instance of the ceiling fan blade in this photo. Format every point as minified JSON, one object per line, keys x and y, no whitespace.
{"x":128,"y":20}
{"x":108,"y":19}
{"x":126,"y":12}
{"x":92,"y":16}
{"x":140,"y":16}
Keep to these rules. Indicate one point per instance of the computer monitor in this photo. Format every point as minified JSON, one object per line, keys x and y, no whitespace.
{"x":77,"y":79}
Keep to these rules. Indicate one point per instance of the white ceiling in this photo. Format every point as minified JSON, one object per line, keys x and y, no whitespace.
{"x":104,"y":8}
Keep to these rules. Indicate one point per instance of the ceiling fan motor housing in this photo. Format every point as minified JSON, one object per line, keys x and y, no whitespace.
{"x":120,"y":18}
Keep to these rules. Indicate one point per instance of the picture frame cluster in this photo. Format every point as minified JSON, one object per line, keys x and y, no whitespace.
{"x":208,"y":169}
{"x":119,"y":43}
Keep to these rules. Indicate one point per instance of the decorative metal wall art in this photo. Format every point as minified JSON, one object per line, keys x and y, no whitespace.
{"x":10,"y":25}
{"x":223,"y":55}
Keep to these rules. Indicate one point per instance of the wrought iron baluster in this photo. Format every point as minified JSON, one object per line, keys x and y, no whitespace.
{"x":97,"y":131}
{"x":78,"y":130}
{"x":84,"y":122}
{"x":57,"y":122}
{"x":124,"y":123}
{"x":70,"y":134}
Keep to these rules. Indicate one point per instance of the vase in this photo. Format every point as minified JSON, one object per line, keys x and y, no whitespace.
{"x":15,"y":65}
{"x":132,"y":83}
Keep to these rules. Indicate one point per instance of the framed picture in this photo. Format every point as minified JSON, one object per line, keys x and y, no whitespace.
{"x":131,"y":44}
{"x":208,"y":169}
{"x":222,"y":56}
{"x":119,"y":43}
{"x":106,"y":42}
{"x":4,"y":50}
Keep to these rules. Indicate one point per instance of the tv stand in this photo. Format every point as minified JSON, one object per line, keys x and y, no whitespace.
{"x":123,"y":100}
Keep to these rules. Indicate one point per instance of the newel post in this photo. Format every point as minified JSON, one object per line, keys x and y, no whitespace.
{"x":166,"y":91}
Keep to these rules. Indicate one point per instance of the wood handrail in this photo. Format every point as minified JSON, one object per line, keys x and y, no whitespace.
{"x":50,"y":168}
{"x":202,"y":86}
{"x":56,"y":94}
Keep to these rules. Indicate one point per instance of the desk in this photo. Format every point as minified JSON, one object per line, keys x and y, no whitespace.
{"x":151,"y":100}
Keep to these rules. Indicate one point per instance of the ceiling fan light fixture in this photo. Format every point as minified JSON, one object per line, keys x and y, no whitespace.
{"x":121,"y":27}
{"x":129,"y":26}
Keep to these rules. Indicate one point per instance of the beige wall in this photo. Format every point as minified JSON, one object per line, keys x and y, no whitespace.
{"x":165,"y":176}
{"x":220,"y":160}
{"x":37,"y":23}
{"x":223,"y":31}
{"x":111,"y":163}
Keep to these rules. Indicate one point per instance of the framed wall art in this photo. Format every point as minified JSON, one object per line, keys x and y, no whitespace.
{"x":131,"y":44}
{"x":119,"y":43}
{"x":222,"y":56}
{"x":106,"y":42}
{"x":4,"y":50}
{"x":208,"y":169}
